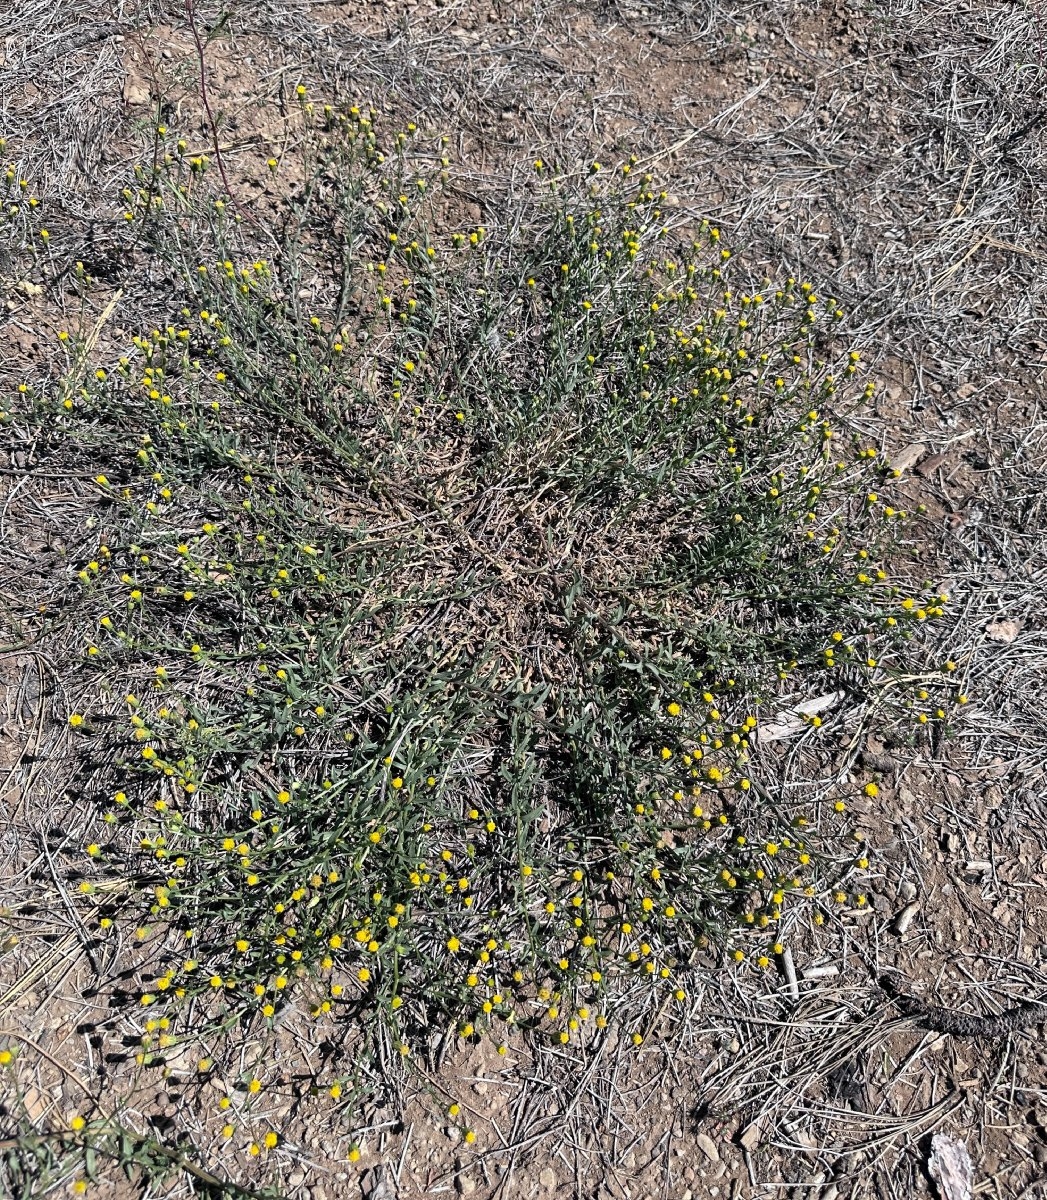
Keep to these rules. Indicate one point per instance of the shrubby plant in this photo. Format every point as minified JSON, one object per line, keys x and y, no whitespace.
{"x":443,"y":579}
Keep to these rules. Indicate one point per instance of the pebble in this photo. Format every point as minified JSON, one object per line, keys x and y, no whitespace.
{"x":708,"y":1147}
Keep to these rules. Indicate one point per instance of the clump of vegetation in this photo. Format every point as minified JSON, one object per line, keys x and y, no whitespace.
{"x":440,"y":581}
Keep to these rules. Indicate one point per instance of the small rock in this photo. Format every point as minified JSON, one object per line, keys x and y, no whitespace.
{"x":136,"y":90}
{"x":904,"y":919}
{"x":1004,"y":631}
{"x":708,"y":1147}
{"x":949,"y":1165}
{"x":480,"y":1087}
{"x":547,"y":1178}
{"x":465,"y":1185}
{"x":908,"y":457}
{"x":749,"y":1138}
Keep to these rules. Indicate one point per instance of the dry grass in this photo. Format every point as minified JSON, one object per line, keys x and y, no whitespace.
{"x":906,"y":178}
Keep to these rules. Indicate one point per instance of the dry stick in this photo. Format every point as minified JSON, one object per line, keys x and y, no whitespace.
{"x":190,"y":13}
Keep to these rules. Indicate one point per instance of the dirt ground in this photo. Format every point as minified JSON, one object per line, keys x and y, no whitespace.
{"x":892,"y":153}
